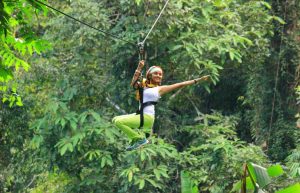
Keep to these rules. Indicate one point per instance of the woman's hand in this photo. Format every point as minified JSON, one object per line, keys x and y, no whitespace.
{"x":201,"y":79}
{"x":141,"y":65}
{"x":137,"y":73}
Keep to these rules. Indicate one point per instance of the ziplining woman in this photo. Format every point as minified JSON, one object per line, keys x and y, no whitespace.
{"x":151,"y":91}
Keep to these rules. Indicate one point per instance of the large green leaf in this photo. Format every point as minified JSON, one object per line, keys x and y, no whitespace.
{"x":259,"y":174}
{"x":292,"y":189}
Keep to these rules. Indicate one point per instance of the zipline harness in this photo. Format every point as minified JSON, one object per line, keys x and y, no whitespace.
{"x":142,"y":54}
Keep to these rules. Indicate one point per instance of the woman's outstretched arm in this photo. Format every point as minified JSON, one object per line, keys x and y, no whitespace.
{"x":137,"y":73}
{"x":168,"y":88}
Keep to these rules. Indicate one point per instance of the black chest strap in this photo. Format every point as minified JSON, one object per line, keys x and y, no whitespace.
{"x":145,"y":105}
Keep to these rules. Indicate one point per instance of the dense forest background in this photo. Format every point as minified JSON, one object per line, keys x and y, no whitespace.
{"x":62,"y":82}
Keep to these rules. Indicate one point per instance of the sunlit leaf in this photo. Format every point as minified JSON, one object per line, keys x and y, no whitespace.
{"x":291,"y":189}
{"x":141,"y":184}
{"x":281,"y":21}
{"x":130,"y":176}
{"x":187,"y":186}
{"x":275,"y":170}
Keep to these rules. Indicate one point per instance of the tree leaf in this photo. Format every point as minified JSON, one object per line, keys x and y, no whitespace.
{"x":157,"y":174}
{"x":267,"y":5}
{"x":153,"y":182}
{"x":291,"y":189}
{"x":187,"y":186}
{"x":281,"y":21}
{"x":103,"y":160}
{"x":130,"y":176}
{"x":96,"y":116}
{"x":275,"y":170}
{"x":73,"y":125}
{"x":143,"y":155}
{"x":19,"y":101}
{"x":63,"y":150}
{"x":259,"y":174}
{"x":231,"y":55}
{"x":142,"y":184}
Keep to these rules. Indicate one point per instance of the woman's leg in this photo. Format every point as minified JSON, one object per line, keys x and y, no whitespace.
{"x":148,"y":124}
{"x":128,"y":124}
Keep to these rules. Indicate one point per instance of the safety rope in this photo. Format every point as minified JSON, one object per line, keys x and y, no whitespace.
{"x":142,"y":53}
{"x":155,"y":21}
{"x":86,"y":24}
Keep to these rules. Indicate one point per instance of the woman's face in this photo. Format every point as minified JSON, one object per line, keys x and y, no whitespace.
{"x":156,"y":77}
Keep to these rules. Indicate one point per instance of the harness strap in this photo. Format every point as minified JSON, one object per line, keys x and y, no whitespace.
{"x":149,"y":103}
{"x":145,"y":105}
{"x":141,"y":90}
{"x":142,"y":106}
{"x":141,"y":111}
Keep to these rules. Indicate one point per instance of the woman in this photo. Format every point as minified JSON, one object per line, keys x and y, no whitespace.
{"x":151,"y":92}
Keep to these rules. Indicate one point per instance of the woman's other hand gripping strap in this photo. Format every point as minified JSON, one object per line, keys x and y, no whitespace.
{"x":137,"y":73}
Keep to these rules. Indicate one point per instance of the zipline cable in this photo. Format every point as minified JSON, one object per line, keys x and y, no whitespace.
{"x":141,"y":44}
{"x":155,"y":22}
{"x":86,"y":24}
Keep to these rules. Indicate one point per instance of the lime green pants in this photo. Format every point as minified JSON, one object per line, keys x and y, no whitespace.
{"x":129,"y":124}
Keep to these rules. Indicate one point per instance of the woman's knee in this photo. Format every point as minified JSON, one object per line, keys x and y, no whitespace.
{"x":124,"y":120}
{"x":117,"y":120}
{"x":114,"y":120}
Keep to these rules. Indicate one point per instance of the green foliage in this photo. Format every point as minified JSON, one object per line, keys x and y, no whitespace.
{"x":150,"y":167}
{"x":216,"y":154}
{"x":293,"y":160}
{"x":208,"y":52}
{"x":269,"y":110}
{"x":94,"y":143}
{"x":72,"y":92}
{"x":17,"y":42}
{"x":293,"y":163}
{"x":18,"y":164}
{"x":51,"y":182}
{"x":187,"y":185}
{"x":88,"y":140}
